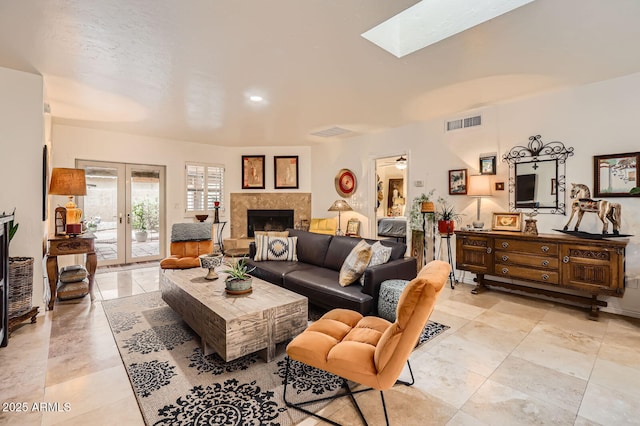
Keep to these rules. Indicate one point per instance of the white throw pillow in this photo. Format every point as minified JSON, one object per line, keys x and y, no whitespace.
{"x":276,"y":248}
{"x":355,"y":263}
{"x":379,"y":255}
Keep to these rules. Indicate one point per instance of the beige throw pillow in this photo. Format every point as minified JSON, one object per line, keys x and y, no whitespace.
{"x":355,"y":264}
{"x":379,"y":255}
{"x":272,"y":233}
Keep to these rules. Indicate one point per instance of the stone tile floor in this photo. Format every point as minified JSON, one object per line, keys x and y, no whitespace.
{"x":506,"y":360}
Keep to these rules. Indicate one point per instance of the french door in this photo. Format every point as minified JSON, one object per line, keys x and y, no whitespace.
{"x":124,"y":208}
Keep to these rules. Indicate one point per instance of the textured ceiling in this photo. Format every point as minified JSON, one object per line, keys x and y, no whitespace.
{"x":184,"y":69}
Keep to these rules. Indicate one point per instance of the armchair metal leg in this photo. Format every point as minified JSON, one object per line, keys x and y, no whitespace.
{"x":348,"y":392}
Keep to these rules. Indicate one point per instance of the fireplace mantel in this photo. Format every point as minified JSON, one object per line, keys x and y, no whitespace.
{"x":300,"y":202}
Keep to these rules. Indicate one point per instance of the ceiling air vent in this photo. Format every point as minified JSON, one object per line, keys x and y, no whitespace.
{"x":333,"y":131}
{"x":463,"y":123}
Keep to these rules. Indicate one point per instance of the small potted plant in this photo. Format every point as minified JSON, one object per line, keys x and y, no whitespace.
{"x":239,"y":280}
{"x":139,"y":212}
{"x":420,"y":204}
{"x":446,"y":216}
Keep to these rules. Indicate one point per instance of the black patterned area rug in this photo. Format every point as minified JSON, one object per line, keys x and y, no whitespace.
{"x":175,"y":384}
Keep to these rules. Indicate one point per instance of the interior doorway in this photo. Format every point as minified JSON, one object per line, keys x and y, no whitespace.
{"x":391,"y":204}
{"x":124,"y":209}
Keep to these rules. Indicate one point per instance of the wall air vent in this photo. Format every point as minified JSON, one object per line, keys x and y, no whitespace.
{"x":331,"y":132}
{"x":463,"y":123}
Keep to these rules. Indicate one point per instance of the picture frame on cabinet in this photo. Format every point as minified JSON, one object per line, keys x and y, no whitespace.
{"x":507,"y":222}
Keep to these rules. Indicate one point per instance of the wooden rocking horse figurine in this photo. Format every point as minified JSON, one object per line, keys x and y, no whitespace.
{"x":605,"y":210}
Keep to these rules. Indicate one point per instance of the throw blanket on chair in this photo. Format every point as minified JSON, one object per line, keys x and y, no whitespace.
{"x":190,"y":231}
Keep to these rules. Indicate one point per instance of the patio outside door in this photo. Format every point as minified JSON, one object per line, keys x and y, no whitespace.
{"x":124,"y":208}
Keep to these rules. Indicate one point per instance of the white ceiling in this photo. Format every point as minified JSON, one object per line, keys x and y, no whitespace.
{"x":184,"y":69}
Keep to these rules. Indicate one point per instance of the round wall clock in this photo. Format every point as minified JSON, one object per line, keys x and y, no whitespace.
{"x":345,"y":183}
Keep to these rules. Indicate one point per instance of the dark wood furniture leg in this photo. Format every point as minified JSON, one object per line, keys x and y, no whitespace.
{"x":92,"y":262}
{"x":480,"y":287}
{"x":52,"y":273}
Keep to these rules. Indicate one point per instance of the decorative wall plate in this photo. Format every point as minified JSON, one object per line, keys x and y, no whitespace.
{"x":345,"y":183}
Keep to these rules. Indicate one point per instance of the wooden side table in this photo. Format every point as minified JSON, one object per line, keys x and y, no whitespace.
{"x":65,"y":245}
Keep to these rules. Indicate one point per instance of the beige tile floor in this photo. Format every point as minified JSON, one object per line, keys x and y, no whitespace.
{"x":506,"y":360}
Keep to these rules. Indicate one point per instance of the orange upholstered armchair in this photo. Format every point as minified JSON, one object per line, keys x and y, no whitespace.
{"x":188,"y":241}
{"x":369,"y":350}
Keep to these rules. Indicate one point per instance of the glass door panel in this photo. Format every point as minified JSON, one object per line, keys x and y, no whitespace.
{"x":145,"y":222}
{"x":102,"y":212}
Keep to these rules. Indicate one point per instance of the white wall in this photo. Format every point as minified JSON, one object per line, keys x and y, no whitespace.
{"x":21,"y":142}
{"x":595,"y":119}
{"x":71,"y":143}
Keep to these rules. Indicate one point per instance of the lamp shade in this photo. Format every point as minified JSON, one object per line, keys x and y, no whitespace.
{"x":68,"y":182}
{"x":339,"y":206}
{"x":479,"y":186}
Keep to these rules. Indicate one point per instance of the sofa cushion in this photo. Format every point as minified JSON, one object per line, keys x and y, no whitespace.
{"x":398,"y":249}
{"x":273,"y":271}
{"x":275,"y":248}
{"x":339,"y":249}
{"x":312,"y":248}
{"x":355,"y":263}
{"x":320,"y":285}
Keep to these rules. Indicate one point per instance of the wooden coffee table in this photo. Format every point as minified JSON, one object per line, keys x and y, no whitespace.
{"x":233,"y":326}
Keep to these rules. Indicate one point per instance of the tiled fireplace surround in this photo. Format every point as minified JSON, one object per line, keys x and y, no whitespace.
{"x":300,"y":202}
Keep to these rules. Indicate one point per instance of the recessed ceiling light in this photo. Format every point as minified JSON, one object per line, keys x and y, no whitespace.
{"x":255,"y":98}
{"x":430,"y":21}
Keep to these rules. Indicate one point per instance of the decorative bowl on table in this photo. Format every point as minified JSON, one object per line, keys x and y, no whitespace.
{"x":210,"y":261}
{"x":202,"y":217}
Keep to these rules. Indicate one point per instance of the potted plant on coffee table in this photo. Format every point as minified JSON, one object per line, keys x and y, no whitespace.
{"x":239,"y":281}
{"x":446,"y":216}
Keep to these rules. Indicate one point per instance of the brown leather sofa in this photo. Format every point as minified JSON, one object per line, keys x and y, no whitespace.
{"x":317,"y":271}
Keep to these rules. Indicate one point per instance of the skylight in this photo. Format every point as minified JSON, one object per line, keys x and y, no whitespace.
{"x":430,"y":21}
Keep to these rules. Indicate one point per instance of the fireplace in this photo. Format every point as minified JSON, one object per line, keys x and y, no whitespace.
{"x":268,"y":220}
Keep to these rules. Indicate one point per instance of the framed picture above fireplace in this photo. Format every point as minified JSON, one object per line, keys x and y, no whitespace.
{"x":253,"y":172}
{"x":285,"y":172}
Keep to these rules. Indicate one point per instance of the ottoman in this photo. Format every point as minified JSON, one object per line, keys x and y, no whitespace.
{"x":390,"y":292}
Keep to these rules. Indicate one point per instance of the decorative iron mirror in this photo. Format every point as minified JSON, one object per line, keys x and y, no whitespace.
{"x":537,"y":176}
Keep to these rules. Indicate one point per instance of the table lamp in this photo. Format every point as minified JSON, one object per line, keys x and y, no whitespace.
{"x":69,"y":182}
{"x":339,"y":206}
{"x":479,"y":186}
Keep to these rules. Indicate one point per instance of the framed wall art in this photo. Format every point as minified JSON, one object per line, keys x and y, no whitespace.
{"x":507,"y":222}
{"x":253,"y":172}
{"x":285,"y":169}
{"x":345,"y":182}
{"x":488,"y":165}
{"x":353,"y":227}
{"x":458,"y":182}
{"x":614,"y":175}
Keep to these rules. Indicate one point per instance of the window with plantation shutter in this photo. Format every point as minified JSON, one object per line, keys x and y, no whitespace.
{"x":204,"y":186}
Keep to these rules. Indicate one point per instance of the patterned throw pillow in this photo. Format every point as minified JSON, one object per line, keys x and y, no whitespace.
{"x":272,"y":233}
{"x":276,"y":248}
{"x":355,"y":264}
{"x":379,"y":255}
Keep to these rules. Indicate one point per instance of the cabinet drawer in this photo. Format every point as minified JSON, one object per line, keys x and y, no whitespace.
{"x":532,"y":247}
{"x":543,"y":276}
{"x":509,"y":258}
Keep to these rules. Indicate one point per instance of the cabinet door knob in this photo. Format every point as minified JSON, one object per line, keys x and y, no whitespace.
{"x":489,"y":250}
{"x":505,"y":244}
{"x":545,"y":248}
{"x":505,"y":271}
{"x":565,"y":259}
{"x":505,"y":258}
{"x":545,"y":263}
{"x":545,"y":277}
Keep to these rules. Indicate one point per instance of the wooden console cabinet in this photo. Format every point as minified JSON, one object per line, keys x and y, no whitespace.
{"x":545,"y":264}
